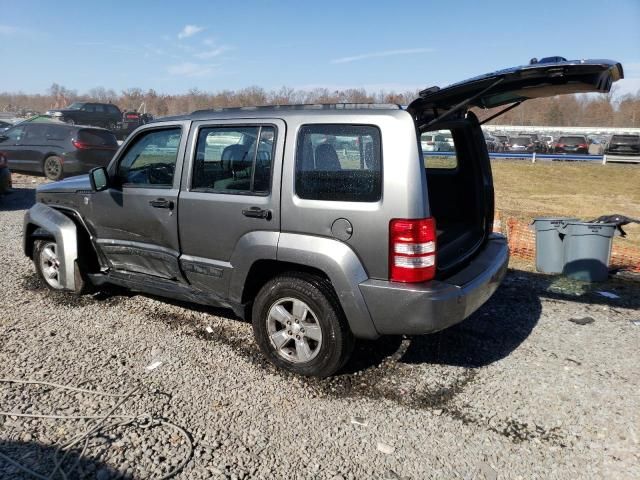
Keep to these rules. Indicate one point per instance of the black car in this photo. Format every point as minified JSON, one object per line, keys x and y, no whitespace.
{"x":130,"y":121}
{"x":624,"y":145}
{"x":572,"y":144}
{"x":5,"y":125}
{"x":84,"y":113}
{"x":56,"y":149}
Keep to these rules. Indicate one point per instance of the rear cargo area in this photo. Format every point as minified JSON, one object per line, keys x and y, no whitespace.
{"x":460,"y":197}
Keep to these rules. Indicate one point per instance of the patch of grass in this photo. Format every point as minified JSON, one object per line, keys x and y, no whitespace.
{"x":584,"y":190}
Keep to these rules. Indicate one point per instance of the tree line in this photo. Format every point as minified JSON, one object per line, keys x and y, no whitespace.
{"x":566,"y":110}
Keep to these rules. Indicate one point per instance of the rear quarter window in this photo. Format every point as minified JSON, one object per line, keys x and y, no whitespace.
{"x":339,"y":163}
{"x":97,"y":137}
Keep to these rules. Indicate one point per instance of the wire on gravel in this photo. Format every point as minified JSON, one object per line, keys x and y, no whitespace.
{"x":144,"y":421}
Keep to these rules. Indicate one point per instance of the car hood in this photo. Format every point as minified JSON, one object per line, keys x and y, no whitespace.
{"x":68,"y":185}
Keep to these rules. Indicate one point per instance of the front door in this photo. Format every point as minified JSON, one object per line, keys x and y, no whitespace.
{"x":135,"y":220}
{"x":10,"y":147}
{"x":230,"y":198}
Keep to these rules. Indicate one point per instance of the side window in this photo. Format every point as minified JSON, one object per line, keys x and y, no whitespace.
{"x":88,"y":108}
{"x":113,"y":110}
{"x":98,"y":108}
{"x":151,"y":159}
{"x":35,"y":133}
{"x":15,"y":134}
{"x":339,"y":163}
{"x":438,"y":150}
{"x":234,"y":159}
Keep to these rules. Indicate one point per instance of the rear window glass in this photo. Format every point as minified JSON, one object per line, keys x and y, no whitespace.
{"x":572,"y":140}
{"x":438,"y":150}
{"x":521,"y":140}
{"x":339,"y":163}
{"x":97,"y":137}
{"x":625,"y":139}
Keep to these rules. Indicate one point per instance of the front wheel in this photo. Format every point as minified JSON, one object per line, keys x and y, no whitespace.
{"x":47,"y":263}
{"x":52,"y":168}
{"x":299,"y":325}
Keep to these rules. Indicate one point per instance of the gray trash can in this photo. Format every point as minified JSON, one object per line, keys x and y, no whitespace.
{"x":549,"y":243}
{"x":587,"y":250}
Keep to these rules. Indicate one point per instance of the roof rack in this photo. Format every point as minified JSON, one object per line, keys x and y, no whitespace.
{"x":306,"y":106}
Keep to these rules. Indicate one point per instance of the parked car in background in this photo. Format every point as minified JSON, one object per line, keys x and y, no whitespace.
{"x":624,"y":145}
{"x":520,"y":144}
{"x":4,"y":125}
{"x":5,"y":175}
{"x":493,"y":144}
{"x":130,"y":120}
{"x":576,"y":144}
{"x":435,"y":143}
{"x":56,"y":149}
{"x":547,"y":143}
{"x":104,"y":115}
{"x":535,"y":140}
{"x":504,"y":141}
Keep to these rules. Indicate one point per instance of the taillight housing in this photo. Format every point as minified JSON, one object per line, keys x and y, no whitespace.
{"x":412,"y":250}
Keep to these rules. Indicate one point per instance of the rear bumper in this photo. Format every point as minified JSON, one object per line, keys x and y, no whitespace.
{"x":414,"y":309}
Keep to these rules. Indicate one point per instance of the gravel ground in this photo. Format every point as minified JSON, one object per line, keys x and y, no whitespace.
{"x":516,"y":391}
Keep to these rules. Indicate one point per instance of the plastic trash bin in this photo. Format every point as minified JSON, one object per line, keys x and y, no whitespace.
{"x":587,"y":250}
{"x":549,"y":243}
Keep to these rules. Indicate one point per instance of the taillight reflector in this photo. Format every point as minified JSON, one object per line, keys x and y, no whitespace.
{"x":412,"y":250}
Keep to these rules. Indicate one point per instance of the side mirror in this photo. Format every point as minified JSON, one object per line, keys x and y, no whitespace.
{"x":99,"y":179}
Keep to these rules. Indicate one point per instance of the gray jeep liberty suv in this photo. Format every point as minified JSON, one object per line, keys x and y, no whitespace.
{"x":319,"y":223}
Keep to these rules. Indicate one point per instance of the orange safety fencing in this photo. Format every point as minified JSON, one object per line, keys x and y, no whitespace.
{"x":522,"y":244}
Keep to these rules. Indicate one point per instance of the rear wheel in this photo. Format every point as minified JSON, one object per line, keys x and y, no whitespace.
{"x":299,"y":325}
{"x":52,"y":168}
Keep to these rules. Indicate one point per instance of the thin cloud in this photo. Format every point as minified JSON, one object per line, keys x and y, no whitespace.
{"x":11,"y":31}
{"x":383,"y":53}
{"x":215,"y":52}
{"x":189,"y":31}
{"x":190,"y":69}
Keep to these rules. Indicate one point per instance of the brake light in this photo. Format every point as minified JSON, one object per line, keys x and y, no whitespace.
{"x":86,"y":146}
{"x":133,"y":115}
{"x":582,"y":145}
{"x":412,"y":250}
{"x":560,"y":145}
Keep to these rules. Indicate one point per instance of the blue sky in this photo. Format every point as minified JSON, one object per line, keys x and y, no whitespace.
{"x":213,"y":45}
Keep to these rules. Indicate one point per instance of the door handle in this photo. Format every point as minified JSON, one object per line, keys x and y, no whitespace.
{"x":161,"y":203}
{"x":257,"y":212}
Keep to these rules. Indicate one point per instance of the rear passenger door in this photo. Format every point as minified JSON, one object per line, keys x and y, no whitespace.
{"x":230,"y":198}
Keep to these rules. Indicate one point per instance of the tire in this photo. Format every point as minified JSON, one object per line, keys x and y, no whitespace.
{"x":317,"y":341}
{"x":52,"y":168}
{"x":70,"y":121}
{"x":45,"y":259}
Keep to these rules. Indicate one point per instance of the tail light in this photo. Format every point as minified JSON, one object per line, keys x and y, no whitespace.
{"x":86,"y":146}
{"x":132,"y":116}
{"x":412,"y":250}
{"x":560,"y":145}
{"x":582,"y":145}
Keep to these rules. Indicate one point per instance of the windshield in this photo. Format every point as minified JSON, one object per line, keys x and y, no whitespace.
{"x":75,"y":106}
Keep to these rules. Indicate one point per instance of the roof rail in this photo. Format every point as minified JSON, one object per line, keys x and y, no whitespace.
{"x":306,"y":106}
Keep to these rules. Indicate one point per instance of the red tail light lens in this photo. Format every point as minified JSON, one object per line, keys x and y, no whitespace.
{"x":86,"y":146}
{"x":133,"y":115}
{"x":412,"y":250}
{"x":560,"y":145}
{"x":582,"y":145}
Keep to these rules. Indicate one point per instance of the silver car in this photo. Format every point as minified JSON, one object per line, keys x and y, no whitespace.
{"x":321,"y":224}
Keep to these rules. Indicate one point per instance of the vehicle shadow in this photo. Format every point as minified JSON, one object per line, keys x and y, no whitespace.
{"x":41,"y":458}
{"x":499,"y":327}
{"x":18,"y":199}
